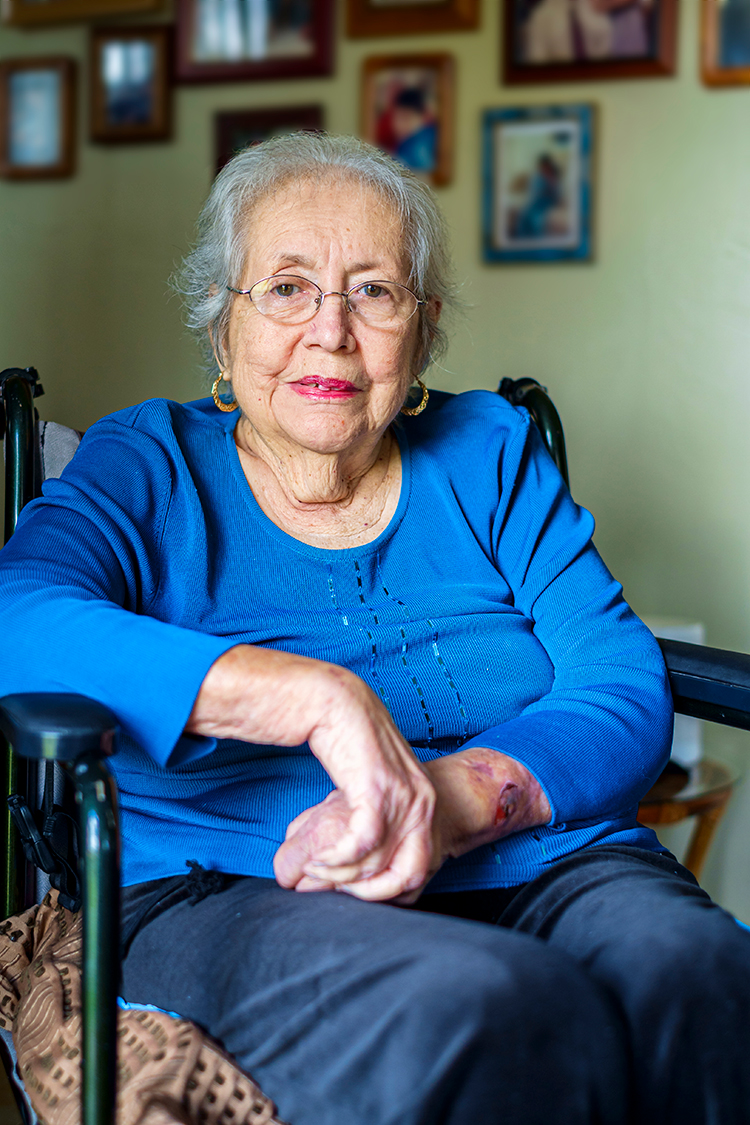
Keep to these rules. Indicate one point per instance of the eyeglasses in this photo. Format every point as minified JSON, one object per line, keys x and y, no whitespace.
{"x":294,"y":300}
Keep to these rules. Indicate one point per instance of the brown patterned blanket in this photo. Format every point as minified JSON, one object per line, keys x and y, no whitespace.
{"x":168,"y":1071}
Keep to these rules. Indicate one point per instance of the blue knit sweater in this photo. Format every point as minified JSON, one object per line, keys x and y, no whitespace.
{"x":482,"y":616}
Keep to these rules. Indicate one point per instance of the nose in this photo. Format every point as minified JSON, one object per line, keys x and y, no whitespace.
{"x":330,"y":327}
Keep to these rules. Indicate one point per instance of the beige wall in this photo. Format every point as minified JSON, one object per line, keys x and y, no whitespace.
{"x":646,"y":351}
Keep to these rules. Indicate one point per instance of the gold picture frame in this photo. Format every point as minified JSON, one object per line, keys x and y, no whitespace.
{"x":725,"y":45}
{"x":37,"y":118}
{"x":407,"y":110}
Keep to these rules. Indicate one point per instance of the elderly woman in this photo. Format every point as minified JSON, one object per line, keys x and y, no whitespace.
{"x":362,"y":644}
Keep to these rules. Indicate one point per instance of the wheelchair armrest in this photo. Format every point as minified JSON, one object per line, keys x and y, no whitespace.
{"x":57,"y":726}
{"x":709,"y":683}
{"x":79,"y":733}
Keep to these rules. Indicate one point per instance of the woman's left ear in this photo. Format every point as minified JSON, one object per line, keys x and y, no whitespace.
{"x":434,"y":309}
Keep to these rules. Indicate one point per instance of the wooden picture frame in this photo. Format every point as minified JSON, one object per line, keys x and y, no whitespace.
{"x":25,"y":13}
{"x":37,"y":118}
{"x":408,"y":111}
{"x":213,"y":46}
{"x":130,"y":97}
{"x":237,"y":128}
{"x":725,"y":44}
{"x":537,"y":184}
{"x":410,"y":17}
{"x":636,"y":40}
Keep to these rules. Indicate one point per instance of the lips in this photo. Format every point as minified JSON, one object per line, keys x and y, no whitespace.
{"x":313,"y":386}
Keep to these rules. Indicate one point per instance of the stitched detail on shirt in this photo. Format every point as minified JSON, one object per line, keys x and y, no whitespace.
{"x":373,"y":643}
{"x":449,"y":677}
{"x":334,"y":599}
{"x":438,"y":656}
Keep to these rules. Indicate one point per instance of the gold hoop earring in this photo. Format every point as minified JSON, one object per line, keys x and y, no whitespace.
{"x":226,"y":406}
{"x":413,"y":410}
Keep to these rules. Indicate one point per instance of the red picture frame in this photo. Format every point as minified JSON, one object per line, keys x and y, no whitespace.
{"x":317,"y":62}
{"x":657,"y":60}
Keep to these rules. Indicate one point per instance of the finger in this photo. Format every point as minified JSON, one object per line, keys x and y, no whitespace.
{"x":307,"y":883}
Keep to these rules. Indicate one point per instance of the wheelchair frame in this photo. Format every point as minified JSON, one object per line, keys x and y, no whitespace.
{"x":79,"y":733}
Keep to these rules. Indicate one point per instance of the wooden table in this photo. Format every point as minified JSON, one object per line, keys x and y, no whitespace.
{"x":701,"y":791}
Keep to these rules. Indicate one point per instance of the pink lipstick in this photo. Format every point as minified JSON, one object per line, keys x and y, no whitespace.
{"x":331,"y":390}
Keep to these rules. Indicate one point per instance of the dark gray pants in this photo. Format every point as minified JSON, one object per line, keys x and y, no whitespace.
{"x":609,"y":990}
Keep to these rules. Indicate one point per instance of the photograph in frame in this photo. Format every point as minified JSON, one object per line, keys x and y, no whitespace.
{"x":410,"y":17}
{"x":236,"y":129}
{"x":407,"y":110}
{"x":33,"y":13}
{"x":575,"y":40}
{"x":37,"y":116}
{"x":231,"y":40}
{"x":130,"y":89}
{"x":538,"y":184}
{"x":725,"y":42}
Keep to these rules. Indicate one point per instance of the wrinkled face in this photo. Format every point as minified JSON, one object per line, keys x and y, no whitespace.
{"x":333,"y":381}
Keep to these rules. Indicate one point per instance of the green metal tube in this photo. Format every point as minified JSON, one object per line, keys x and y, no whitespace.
{"x":96,"y":795}
{"x":18,"y":405}
{"x":19,"y":449}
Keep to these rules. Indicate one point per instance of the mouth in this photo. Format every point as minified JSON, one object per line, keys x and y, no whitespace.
{"x":312,"y":386}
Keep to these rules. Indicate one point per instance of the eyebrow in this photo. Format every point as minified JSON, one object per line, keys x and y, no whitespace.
{"x":309,"y":263}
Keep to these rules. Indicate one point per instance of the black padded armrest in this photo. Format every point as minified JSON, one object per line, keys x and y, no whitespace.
{"x":57,"y":726}
{"x":709,"y":683}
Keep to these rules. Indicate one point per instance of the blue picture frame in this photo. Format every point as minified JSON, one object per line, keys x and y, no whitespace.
{"x":537,"y":184}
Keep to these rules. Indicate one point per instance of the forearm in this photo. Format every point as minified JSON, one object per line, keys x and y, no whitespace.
{"x":483,"y":795}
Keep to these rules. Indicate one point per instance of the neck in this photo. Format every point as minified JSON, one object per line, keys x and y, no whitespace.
{"x":308,"y":479}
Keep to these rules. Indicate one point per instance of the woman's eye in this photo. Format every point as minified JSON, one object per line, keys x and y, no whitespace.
{"x":373,"y":291}
{"x":285,"y":289}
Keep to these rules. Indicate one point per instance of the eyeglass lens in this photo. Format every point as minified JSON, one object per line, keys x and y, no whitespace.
{"x":294,"y":300}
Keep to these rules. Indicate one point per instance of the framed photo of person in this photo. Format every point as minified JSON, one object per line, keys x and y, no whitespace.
{"x":725,"y":42}
{"x":576,"y":40}
{"x":538,"y":184}
{"x":410,"y":17}
{"x":32,"y":13}
{"x":236,"y":129}
{"x":37,"y":118}
{"x":130,"y":89}
{"x":407,"y":110}
{"x":235,"y":41}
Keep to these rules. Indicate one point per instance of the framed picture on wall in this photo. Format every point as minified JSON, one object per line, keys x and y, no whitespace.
{"x":576,"y":40}
{"x":228,"y":41}
{"x":407,"y":110}
{"x":31,"y":13}
{"x":37,"y":118}
{"x":725,"y":42}
{"x":236,"y":129}
{"x":130,"y":90}
{"x":538,"y":183}
{"x":410,"y":17}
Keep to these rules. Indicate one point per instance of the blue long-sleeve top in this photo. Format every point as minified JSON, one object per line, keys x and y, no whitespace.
{"x":481,"y":616}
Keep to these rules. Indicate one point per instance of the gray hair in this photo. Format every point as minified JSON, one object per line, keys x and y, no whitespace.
{"x":218,"y":257}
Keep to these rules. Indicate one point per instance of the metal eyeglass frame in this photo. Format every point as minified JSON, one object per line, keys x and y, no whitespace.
{"x":318,"y":301}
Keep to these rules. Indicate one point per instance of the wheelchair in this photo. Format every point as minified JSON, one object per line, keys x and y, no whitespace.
{"x":43,"y":734}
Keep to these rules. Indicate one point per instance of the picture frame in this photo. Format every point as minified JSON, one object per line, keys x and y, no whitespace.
{"x":634,"y":39}
{"x":35,"y":13}
{"x":408,"y":111}
{"x":130,"y":98}
{"x":37,"y":118}
{"x":537,"y":184}
{"x":215,"y":44}
{"x":725,"y":43}
{"x":409,"y":17}
{"x":235,"y":129}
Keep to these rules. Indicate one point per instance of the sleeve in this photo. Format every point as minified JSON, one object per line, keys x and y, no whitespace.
{"x":599,"y":739}
{"x":76,"y":582}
